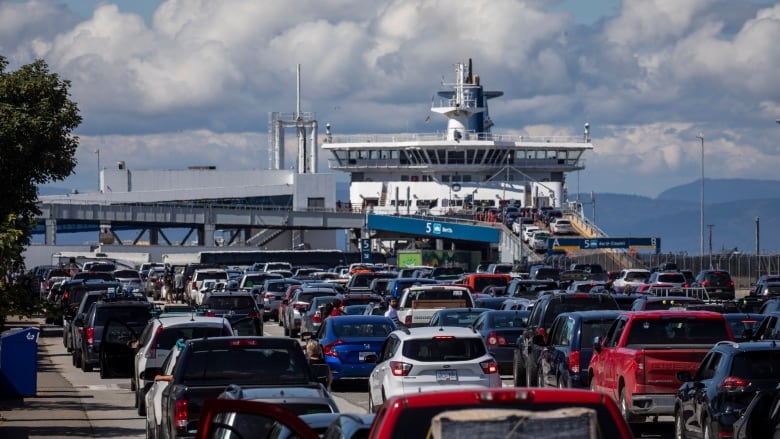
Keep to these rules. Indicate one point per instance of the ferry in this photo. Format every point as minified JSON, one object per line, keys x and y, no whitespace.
{"x":460,"y":169}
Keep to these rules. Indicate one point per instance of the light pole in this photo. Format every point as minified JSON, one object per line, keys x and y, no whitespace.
{"x":701,"y":213}
{"x":97,"y":151}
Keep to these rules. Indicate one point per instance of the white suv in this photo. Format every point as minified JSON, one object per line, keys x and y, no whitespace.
{"x":561,"y":226}
{"x":428,"y":359}
{"x":193,"y":287}
{"x":630,"y":277}
{"x":157,"y":339}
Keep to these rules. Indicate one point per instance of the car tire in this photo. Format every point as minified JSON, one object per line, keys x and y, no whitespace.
{"x":679,"y":425}
{"x":529,"y":377}
{"x":517,"y":380}
{"x":104,"y":373}
{"x":85,"y":366}
{"x":624,"y":409}
{"x":141,"y":402}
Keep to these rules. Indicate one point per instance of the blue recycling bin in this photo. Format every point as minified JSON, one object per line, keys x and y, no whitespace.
{"x":19,"y":362}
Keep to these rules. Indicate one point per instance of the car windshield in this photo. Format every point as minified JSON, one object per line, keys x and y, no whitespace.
{"x":463,"y":319}
{"x":438,"y":349}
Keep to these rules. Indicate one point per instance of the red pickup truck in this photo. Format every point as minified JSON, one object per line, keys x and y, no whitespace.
{"x":637,"y":361}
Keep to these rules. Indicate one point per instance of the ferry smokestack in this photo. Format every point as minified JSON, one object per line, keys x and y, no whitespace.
{"x":471,"y":73}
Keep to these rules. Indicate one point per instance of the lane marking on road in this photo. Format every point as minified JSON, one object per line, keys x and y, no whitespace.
{"x":100,"y":387}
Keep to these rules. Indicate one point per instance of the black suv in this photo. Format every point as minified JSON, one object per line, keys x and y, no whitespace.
{"x":239,"y":308}
{"x":530,"y":346}
{"x":133,"y":313}
{"x":718,"y":284}
{"x":709,"y":403}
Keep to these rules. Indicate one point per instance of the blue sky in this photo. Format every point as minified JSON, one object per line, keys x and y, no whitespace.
{"x":170,"y":84}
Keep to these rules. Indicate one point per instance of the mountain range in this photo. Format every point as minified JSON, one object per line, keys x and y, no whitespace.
{"x":731,"y":207}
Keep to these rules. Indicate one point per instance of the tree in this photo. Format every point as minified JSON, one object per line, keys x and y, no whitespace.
{"x":37,"y":146}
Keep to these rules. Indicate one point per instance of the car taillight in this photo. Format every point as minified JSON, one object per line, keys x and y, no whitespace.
{"x":574,"y":362}
{"x":316,"y":318}
{"x":489,"y":366}
{"x":302,"y":307}
{"x":640,"y":368}
{"x":243,"y":342}
{"x":268,"y":296}
{"x":400,"y":369}
{"x":210,"y":314}
{"x":685,"y":285}
{"x":65,"y":296}
{"x":90,"y":335}
{"x":151,"y":352}
{"x":194,"y":284}
{"x":329,"y":349}
{"x":705,"y":283}
{"x":731,"y":283}
{"x":253,"y":314}
{"x":408,"y":320}
{"x":494,"y":339}
{"x":731,"y":384}
{"x":180,"y":414}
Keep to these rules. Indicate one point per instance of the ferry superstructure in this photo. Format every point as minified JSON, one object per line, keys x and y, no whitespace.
{"x":465,"y":166}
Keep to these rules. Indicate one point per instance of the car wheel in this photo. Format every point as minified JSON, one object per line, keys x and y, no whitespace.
{"x":707,"y":430}
{"x":133,"y":387}
{"x":136,"y":399}
{"x":371,"y":407}
{"x":141,"y":402}
{"x":624,"y":409}
{"x":104,"y":373}
{"x":529,"y":377}
{"x":286,"y":331}
{"x":517,"y":380}
{"x":679,"y":426}
{"x":85,"y":366}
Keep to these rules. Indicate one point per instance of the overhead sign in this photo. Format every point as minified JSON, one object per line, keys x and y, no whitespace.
{"x":631,"y":243}
{"x":365,"y":251}
{"x":432,"y":228}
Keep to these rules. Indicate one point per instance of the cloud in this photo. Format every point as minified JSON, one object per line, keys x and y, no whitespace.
{"x":176,"y":88}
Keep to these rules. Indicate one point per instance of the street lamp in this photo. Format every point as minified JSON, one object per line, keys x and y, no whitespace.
{"x":701,"y":213}
{"x":97,"y":151}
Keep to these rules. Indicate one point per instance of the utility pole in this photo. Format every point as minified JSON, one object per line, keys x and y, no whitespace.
{"x":710,"y":226}
{"x":701,"y":201}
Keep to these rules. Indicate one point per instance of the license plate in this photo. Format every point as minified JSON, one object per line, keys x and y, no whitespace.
{"x":446,"y":375}
{"x":362,"y":356}
{"x":718,"y":290}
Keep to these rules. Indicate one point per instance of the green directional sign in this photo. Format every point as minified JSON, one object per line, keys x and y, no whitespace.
{"x":631,"y":243}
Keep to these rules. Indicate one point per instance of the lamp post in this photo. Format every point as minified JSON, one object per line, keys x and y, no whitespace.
{"x":97,"y":151}
{"x":701,"y":213}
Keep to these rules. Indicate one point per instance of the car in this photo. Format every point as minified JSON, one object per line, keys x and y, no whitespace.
{"x":484,"y":301}
{"x":312,"y":317}
{"x":153,"y":396}
{"x":538,"y":241}
{"x":250,"y":279}
{"x":561,"y":226}
{"x":302,"y":399}
{"x":153,"y":281}
{"x":462,"y":317}
{"x":431,"y":359}
{"x":567,"y":352}
{"x":240,"y":309}
{"x":669,"y":282}
{"x":654,"y":303}
{"x":718,"y":284}
{"x":519,"y":304}
{"x":757,"y":288}
{"x":74,"y":341}
{"x":194,"y":294}
{"x":768,"y":328}
{"x":630,"y":277}
{"x":300,"y":302}
{"x":528,"y":231}
{"x":132,"y":313}
{"x":744,"y":325}
{"x":500,"y":330}
{"x":349,"y":341}
{"x":713,"y":399}
{"x":761,"y":417}
{"x":129,"y":279}
{"x":272,"y":292}
{"x":158,"y":338}
{"x":396,"y":287}
{"x":411,"y":416}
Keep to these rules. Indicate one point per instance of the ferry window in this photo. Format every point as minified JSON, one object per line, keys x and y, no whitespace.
{"x":427,"y":178}
{"x":373,"y":155}
{"x":316,"y":203}
{"x":466,"y":178}
{"x":353,"y":154}
{"x":457,"y":158}
{"x":385,"y":155}
{"x":445,"y":178}
{"x":395,"y":155}
{"x":445,"y":202}
{"x":480,"y":155}
{"x":415,"y":178}
{"x":404,"y":178}
{"x":341,"y":155}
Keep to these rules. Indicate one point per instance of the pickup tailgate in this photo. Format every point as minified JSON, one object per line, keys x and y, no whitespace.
{"x":661,"y":367}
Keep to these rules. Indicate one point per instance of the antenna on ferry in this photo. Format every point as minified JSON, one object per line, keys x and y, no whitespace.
{"x":586,"y":134}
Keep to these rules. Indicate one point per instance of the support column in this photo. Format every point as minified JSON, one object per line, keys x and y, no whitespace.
{"x":154,"y":236}
{"x":206,"y":237}
{"x":51,"y":232}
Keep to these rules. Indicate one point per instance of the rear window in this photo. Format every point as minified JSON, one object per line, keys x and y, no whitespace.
{"x":212,"y":275}
{"x":718,"y":276}
{"x":444,"y":349}
{"x":132,"y":316}
{"x":244,"y":365}
{"x":444,"y":295}
{"x":756,"y":365}
{"x":674,"y":278}
{"x":307,"y":408}
{"x":461,"y":319}
{"x":481,"y":282}
{"x":377,"y":329}
{"x":595,"y":328}
{"x":637,"y":276}
{"x":230,"y":302}
{"x":169,"y":336}
{"x":677,"y":331}
{"x":307,"y":297}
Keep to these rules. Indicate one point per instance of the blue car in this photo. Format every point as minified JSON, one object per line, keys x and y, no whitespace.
{"x":348,"y":341}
